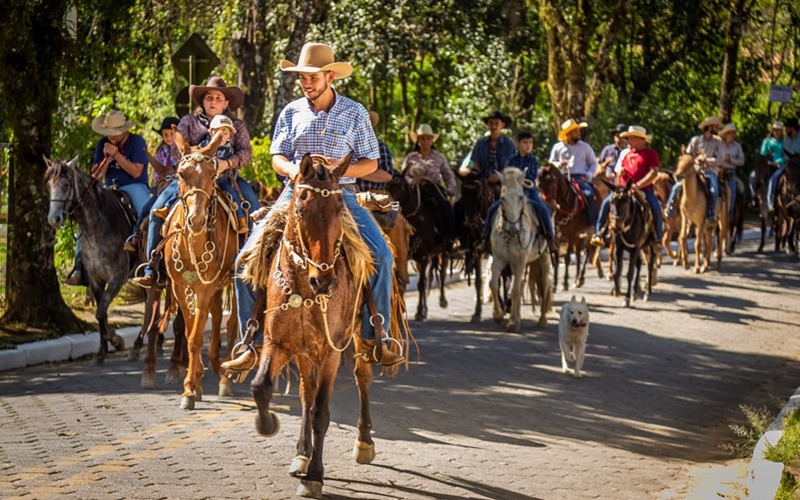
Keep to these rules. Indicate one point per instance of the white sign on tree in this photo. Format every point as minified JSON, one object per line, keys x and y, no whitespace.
{"x":780,"y":93}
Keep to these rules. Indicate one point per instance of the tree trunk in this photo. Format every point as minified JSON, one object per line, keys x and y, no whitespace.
{"x":32,"y":49}
{"x":285,"y":91}
{"x":252,"y":50}
{"x":727,"y":95}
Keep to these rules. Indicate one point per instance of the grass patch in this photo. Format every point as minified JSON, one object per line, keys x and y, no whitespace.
{"x":787,"y":452}
{"x":758,"y":419}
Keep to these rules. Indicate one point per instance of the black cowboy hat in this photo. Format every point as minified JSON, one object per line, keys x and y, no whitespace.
{"x":792,"y":122}
{"x":234,"y":95}
{"x":500,"y":116}
{"x":621,"y":127}
{"x":166,"y":124}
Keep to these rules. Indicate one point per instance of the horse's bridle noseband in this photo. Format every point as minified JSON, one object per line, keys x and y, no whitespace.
{"x":302,"y":258}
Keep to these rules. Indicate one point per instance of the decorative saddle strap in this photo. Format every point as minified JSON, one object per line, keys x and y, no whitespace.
{"x":375,"y":317}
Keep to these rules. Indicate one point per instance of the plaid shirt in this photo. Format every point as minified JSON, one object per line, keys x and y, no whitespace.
{"x":384,"y":163}
{"x":344,"y":128}
{"x":712,"y":148}
{"x":193,"y":130}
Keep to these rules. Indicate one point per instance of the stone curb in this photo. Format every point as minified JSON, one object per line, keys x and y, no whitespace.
{"x":764,"y":476}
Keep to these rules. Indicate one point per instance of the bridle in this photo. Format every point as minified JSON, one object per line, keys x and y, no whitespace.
{"x":211,"y":208}
{"x":302,"y":257}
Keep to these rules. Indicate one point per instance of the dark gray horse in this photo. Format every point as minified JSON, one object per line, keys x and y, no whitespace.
{"x":105,"y":224}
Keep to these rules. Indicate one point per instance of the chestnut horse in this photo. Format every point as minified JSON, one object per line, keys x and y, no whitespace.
{"x":313,"y":313}
{"x":571,"y":219}
{"x":693,"y":207}
{"x":200,"y":248}
{"x":662,"y":187}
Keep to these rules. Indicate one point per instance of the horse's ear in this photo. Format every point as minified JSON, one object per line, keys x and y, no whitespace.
{"x":628,"y":185}
{"x":211,"y":148}
{"x":342,"y":165}
{"x":48,"y":163}
{"x":181,"y":143}
{"x":306,"y":167}
{"x":159,"y":167}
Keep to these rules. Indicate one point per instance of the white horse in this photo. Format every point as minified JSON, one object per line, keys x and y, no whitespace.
{"x":517,"y":243}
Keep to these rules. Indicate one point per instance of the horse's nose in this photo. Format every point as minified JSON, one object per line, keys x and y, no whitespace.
{"x":321,"y":283}
{"x":55,"y":220}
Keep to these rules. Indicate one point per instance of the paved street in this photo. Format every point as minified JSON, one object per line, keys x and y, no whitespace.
{"x":484,"y":414}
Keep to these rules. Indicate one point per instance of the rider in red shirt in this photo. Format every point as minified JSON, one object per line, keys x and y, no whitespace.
{"x":640,"y":165}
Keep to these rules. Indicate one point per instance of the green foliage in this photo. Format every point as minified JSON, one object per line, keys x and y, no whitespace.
{"x":260,"y":168}
{"x":758,"y":419}
{"x":787,"y":452}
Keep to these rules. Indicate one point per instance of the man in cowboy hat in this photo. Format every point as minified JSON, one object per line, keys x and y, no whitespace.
{"x":778,"y":148}
{"x":733,"y":157}
{"x":610,"y":154}
{"x":640,"y":166}
{"x":121,"y":159}
{"x":491,"y":153}
{"x":377,"y":180}
{"x":707,"y":151}
{"x":326,"y":123}
{"x":576,"y":159}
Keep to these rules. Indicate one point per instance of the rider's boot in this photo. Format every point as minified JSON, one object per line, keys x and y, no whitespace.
{"x":245,"y":361}
{"x":372,"y":351}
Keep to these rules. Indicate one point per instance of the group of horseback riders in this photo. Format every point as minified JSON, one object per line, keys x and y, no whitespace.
{"x":323,"y":122}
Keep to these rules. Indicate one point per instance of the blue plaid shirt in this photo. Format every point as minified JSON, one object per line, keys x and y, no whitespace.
{"x":384,"y":163}
{"x":333,"y":134}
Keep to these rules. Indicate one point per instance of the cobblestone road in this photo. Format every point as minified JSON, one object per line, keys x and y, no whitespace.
{"x":484,"y":414}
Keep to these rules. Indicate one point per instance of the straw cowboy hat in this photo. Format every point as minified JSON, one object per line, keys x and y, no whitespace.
{"x":423,"y":129}
{"x":374,"y":118}
{"x":316,"y":57}
{"x":636,"y":131}
{"x":166,"y":124}
{"x":222,"y":121}
{"x":234,"y":95}
{"x":729,"y":127}
{"x":711,"y":120}
{"x":114,"y":123}
{"x":499,"y":116}
{"x":776,"y":125}
{"x":568,"y":126}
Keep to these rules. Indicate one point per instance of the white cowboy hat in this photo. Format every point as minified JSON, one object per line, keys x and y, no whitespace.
{"x":729,"y":127}
{"x":222,"y":121}
{"x":710,"y":120}
{"x":423,"y":129}
{"x":777,"y":124}
{"x":316,"y":57}
{"x":637,"y":131}
{"x":114,"y":123}
{"x":568,"y":126}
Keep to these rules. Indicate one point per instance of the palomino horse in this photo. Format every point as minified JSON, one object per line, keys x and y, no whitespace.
{"x":518,"y":243}
{"x":105,"y":224}
{"x":200,"y":248}
{"x":787,"y":205}
{"x":632,"y":231}
{"x":693,"y":208}
{"x":571,"y":219}
{"x":426,"y":246}
{"x":477,"y":194}
{"x":313,"y":312}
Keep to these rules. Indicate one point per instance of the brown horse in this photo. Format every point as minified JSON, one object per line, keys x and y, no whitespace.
{"x":693,"y":207}
{"x":426,"y":247}
{"x":763,"y":171}
{"x":662,"y":187}
{"x":571,"y":219}
{"x":199,"y":252}
{"x":787,"y":205}
{"x":313,"y":312}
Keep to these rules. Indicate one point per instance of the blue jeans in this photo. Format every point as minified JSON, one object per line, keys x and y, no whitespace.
{"x":655,"y":207}
{"x":732,"y":187}
{"x":250,"y":196}
{"x":165,"y":199}
{"x":380,"y":282}
{"x":773,"y":185}
{"x":144,"y":213}
{"x":588,"y":193}
{"x":139,"y":193}
{"x":539,"y":208}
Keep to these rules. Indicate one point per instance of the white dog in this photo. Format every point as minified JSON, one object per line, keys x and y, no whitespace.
{"x":573,"y":330}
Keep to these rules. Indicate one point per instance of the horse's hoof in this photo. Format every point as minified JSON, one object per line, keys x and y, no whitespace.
{"x":225,"y":388}
{"x":310,"y":489}
{"x":497,"y":319}
{"x":187,"y":402}
{"x":564,"y":288}
{"x":98,"y":360}
{"x":511,"y":328}
{"x":580,"y":283}
{"x":198,"y":394}
{"x":476,"y":318}
{"x":626,"y":302}
{"x":267,"y":425}
{"x":443,"y":303}
{"x":419,"y":317}
{"x":173,"y":377}
{"x":542,"y":322}
{"x":133,"y":355}
{"x":118,"y":342}
{"x":363,"y":453}
{"x":149,"y":380}
{"x":299,"y":466}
